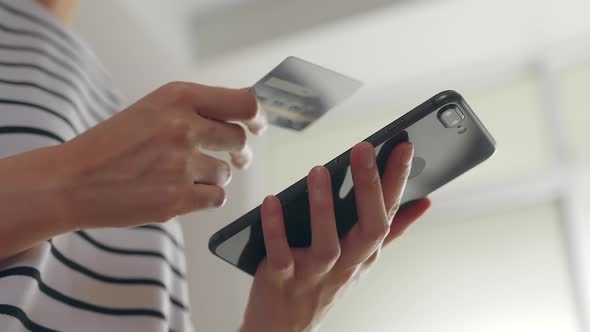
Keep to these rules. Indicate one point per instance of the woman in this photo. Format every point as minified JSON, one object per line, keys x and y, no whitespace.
{"x":88,"y":240}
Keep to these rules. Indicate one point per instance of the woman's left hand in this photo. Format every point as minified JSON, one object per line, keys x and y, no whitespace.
{"x":294,"y":288}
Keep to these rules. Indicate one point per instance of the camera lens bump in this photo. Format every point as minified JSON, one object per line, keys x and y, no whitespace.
{"x":451,"y":116}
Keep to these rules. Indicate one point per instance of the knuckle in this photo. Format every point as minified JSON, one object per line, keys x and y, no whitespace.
{"x":177,"y":123}
{"x":348,"y":277}
{"x":393,"y":209}
{"x":172,"y":199}
{"x":174,"y":91}
{"x":175,"y":193}
{"x":376,"y":233}
{"x":375,"y":180}
{"x":177,"y":162}
{"x":329,"y":255}
{"x":213,"y":197}
{"x":373,"y":258}
{"x":207,"y":129}
{"x":224,"y":173}
{"x":176,"y":129}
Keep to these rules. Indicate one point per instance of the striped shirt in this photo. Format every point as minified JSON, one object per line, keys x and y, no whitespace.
{"x":52,"y":88}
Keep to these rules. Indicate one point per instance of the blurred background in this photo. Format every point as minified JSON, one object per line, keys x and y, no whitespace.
{"x":505,"y":248}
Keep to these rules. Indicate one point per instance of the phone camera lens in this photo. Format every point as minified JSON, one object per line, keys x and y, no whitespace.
{"x":451,"y":116}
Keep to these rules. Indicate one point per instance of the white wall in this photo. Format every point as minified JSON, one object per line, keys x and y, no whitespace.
{"x":137,"y":59}
{"x":503,"y":272}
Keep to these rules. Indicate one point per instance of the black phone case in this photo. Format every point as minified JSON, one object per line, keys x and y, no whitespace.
{"x":295,"y":198}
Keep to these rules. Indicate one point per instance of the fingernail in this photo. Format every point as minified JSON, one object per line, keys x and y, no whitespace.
{"x":267,"y":200}
{"x":270,"y":206}
{"x":407,"y":154}
{"x":368,"y":156}
{"x":225,"y":177}
{"x":260,"y":125}
{"x":242,"y":159}
{"x":220,"y":200}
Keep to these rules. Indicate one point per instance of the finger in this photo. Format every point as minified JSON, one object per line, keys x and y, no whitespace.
{"x":372,"y":226}
{"x":208,"y":170}
{"x":325,"y":244}
{"x":396,"y":175}
{"x":371,"y":260}
{"x":406,"y":217}
{"x":217,"y":103}
{"x":218,"y":136}
{"x":259,"y":123}
{"x":242,"y":159}
{"x":278,"y":252}
{"x":196,"y":197}
{"x":138,"y":202}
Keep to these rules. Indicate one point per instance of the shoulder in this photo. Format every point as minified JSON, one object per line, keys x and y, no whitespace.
{"x":52,"y":87}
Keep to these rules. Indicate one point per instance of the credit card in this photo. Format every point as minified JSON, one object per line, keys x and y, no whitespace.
{"x":297,"y":93}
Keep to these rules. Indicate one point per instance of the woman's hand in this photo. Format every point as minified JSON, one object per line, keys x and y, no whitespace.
{"x":146,"y":164}
{"x":294,"y":288}
{"x":143,"y":165}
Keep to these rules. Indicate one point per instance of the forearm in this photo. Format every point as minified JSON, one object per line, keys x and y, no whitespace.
{"x":39,"y":169}
{"x":29,"y":218}
{"x":32,"y":205}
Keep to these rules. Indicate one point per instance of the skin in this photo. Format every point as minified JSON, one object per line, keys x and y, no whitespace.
{"x":295,"y":288}
{"x":64,"y":10}
{"x":107,"y":177}
{"x":159,"y":162}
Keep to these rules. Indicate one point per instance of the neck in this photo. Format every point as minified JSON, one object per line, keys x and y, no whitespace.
{"x":64,"y":10}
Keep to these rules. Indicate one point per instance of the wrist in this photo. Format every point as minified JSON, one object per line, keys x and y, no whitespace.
{"x":63,"y":162}
{"x":270,"y":325}
{"x":29,"y":218}
{"x":37,"y":170}
{"x":59,"y":205}
{"x":62,"y":186}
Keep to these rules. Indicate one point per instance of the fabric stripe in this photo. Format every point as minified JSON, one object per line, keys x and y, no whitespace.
{"x":119,"y":251}
{"x":120,"y":266}
{"x":107,"y":279}
{"x":39,"y":87}
{"x":95,"y":116}
{"x":36,"y":50}
{"x":30,"y":130}
{"x":17,"y":313}
{"x":72,"y":48}
{"x":52,"y":88}
{"x":36,"y":20}
{"x":62,"y":275}
{"x":78,"y":45}
{"x":163,"y":231}
{"x":137,"y":240}
{"x":36,"y":275}
{"x":94,"y":91}
{"x":19,"y":116}
{"x":110,"y":108}
{"x":40,"y":108}
{"x":45,"y":71}
{"x":46,"y":311}
{"x":30,"y":33}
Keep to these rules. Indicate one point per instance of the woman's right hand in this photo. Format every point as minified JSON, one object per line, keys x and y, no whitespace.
{"x":146,"y":165}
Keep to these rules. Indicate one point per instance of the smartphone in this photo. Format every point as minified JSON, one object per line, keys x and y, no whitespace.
{"x":448,"y":141}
